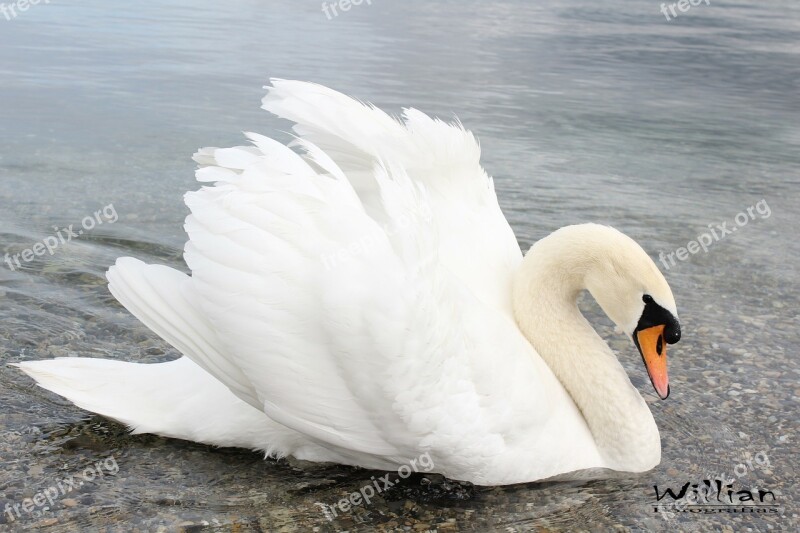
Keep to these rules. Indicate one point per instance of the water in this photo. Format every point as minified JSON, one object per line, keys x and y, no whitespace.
{"x":586,"y":111}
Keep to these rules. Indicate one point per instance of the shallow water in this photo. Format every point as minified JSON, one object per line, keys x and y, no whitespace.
{"x":586,"y":111}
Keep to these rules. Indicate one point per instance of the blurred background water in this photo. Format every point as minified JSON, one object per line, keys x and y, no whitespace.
{"x":586,"y":111}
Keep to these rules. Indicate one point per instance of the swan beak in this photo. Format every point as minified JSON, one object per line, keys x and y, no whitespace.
{"x":653,"y":347}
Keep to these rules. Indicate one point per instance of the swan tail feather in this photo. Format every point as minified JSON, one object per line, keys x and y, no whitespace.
{"x":200,"y":397}
{"x":162,"y":299}
{"x":176,"y":399}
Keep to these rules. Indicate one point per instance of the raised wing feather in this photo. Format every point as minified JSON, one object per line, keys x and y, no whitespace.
{"x":369,"y":314}
{"x":443,"y":159}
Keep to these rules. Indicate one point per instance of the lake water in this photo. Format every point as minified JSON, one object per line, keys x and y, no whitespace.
{"x":586,"y":111}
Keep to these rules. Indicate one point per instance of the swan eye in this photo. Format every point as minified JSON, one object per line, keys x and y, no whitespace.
{"x":653,"y":315}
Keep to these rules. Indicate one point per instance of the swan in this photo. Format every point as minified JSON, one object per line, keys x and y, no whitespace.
{"x":358,"y":297}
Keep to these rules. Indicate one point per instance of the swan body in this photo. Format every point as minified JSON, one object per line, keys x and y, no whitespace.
{"x":359,"y":297}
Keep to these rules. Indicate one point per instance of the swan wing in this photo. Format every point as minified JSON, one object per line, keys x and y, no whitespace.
{"x":354,"y":330}
{"x":478,"y":245}
{"x":357,"y":292}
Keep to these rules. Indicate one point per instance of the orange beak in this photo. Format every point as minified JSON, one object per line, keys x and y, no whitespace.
{"x":653,"y":348}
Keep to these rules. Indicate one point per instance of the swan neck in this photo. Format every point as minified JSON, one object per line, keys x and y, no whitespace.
{"x":545,"y":293}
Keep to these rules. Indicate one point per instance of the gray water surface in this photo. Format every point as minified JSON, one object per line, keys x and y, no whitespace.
{"x":586,"y":111}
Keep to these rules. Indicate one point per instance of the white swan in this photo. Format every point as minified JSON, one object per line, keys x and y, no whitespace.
{"x":363,"y":300}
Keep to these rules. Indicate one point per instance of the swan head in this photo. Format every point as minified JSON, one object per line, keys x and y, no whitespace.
{"x":631,"y":290}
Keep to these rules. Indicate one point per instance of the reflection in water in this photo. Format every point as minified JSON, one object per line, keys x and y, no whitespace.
{"x":586,"y":111}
